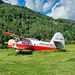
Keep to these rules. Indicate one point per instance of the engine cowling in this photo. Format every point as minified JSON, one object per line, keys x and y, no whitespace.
{"x":10,"y":43}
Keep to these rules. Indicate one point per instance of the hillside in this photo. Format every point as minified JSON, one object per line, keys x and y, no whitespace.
{"x":1,"y":1}
{"x":27,"y":23}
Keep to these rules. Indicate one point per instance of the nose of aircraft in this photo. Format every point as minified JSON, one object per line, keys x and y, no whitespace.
{"x":10,"y":43}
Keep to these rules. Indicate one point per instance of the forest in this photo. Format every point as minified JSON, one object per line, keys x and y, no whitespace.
{"x":28,"y":23}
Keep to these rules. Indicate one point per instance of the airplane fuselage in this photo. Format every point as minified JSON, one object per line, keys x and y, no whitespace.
{"x":34,"y":45}
{"x":20,"y":43}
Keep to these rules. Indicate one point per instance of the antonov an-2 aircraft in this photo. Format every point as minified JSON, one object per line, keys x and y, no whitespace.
{"x":20,"y":43}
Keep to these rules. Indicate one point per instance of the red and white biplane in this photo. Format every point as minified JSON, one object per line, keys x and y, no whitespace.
{"x":20,"y":43}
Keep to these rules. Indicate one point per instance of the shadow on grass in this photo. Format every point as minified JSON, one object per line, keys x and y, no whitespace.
{"x":29,"y":52}
{"x":43,"y":52}
{"x":26,"y":52}
{"x":21,"y":53}
{"x":62,"y":50}
{"x":71,"y":60}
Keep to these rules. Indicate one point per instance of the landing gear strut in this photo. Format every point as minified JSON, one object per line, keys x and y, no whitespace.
{"x":17,"y":52}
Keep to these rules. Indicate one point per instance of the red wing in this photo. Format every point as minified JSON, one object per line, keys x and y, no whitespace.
{"x":8,"y":33}
{"x":15,"y":36}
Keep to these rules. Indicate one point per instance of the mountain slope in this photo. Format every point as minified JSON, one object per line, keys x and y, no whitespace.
{"x":1,"y":1}
{"x":27,"y":23}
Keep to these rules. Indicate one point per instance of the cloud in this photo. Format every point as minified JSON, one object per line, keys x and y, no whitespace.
{"x":6,"y":1}
{"x":39,"y":5}
{"x":34,"y":4}
{"x":48,"y":5}
{"x":12,"y":2}
{"x":30,"y":4}
{"x":64,"y":9}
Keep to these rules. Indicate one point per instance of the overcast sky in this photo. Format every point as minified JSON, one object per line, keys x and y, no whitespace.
{"x":54,"y":8}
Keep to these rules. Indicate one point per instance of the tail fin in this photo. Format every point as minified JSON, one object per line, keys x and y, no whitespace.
{"x":58,"y":40}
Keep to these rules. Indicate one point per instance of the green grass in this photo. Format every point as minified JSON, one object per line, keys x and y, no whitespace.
{"x":38,"y":63}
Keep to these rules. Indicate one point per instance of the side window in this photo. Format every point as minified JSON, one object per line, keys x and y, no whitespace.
{"x":34,"y":44}
{"x":23,"y":42}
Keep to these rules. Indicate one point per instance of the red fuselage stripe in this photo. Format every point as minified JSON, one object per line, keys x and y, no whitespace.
{"x":31,"y":47}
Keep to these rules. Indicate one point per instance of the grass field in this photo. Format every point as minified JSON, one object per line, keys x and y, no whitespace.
{"x":38,"y":63}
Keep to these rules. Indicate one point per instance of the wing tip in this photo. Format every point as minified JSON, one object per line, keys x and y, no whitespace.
{"x":5,"y":32}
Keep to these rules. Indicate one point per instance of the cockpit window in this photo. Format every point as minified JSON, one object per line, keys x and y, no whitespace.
{"x":17,"y":40}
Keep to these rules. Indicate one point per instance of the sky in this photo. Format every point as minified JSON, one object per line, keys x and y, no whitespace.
{"x":53,"y":8}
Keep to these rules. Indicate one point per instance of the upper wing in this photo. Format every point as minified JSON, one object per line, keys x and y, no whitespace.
{"x":15,"y":36}
{"x":8,"y":33}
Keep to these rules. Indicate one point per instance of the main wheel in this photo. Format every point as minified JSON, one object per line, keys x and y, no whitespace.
{"x":16,"y":52}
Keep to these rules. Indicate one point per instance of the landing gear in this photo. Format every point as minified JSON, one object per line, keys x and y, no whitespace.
{"x":17,"y":52}
{"x":32,"y":51}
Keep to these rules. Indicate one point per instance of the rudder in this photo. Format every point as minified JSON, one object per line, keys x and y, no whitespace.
{"x":58,"y":40}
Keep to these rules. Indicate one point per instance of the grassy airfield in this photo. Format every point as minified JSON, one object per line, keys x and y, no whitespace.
{"x":38,"y":63}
